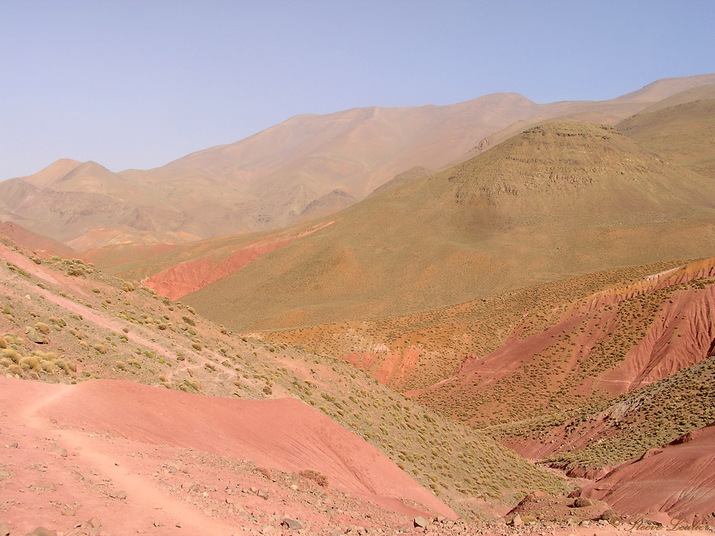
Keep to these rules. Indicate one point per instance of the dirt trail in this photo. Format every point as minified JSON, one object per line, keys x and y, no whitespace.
{"x":131,"y":490}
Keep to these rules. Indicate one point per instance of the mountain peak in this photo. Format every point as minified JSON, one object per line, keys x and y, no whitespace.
{"x":52,"y":173}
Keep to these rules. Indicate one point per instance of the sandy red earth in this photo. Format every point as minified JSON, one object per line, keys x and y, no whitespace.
{"x":138,"y":459}
{"x":386,"y":366}
{"x":146,"y":459}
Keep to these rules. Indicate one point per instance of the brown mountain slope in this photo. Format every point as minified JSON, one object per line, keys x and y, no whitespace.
{"x":267,"y":180}
{"x":665,"y":87}
{"x":71,"y":202}
{"x":334,"y":201}
{"x":703,"y":92}
{"x":262,"y":182}
{"x":659,"y":94}
{"x":554,"y":201}
{"x":684,"y":134}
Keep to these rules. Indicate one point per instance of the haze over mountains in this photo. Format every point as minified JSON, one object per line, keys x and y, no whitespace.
{"x":268,"y":180}
{"x":557,"y":200}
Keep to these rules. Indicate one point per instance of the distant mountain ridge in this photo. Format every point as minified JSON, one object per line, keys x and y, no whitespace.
{"x":557,"y":200}
{"x":268,"y":180}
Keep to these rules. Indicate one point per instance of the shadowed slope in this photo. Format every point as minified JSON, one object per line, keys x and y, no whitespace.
{"x":554,"y":201}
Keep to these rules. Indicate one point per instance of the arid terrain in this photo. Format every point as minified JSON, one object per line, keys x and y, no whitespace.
{"x":305,"y":167}
{"x":354,"y":324}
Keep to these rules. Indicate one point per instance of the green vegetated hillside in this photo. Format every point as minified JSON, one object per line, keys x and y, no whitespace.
{"x":554,"y":201}
{"x":62,"y":320}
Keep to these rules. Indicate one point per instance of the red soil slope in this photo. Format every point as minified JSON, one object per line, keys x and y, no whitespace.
{"x":389,"y":367}
{"x":192,"y":275}
{"x":39,"y":243}
{"x":689,"y":313}
{"x":137,"y":457}
{"x":665,"y":322}
{"x":678,"y":479}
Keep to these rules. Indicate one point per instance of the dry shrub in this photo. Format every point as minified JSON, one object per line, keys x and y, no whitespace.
{"x":265,"y":472}
{"x":42,"y":328}
{"x":315,"y":476}
{"x":30,"y":362}
{"x":3,"y":343}
{"x":12,"y":354}
{"x":58,"y":322}
{"x":59,"y":363}
{"x":193,"y":384}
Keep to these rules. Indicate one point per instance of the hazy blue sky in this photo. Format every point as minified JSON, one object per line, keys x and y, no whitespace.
{"x":136,"y":84}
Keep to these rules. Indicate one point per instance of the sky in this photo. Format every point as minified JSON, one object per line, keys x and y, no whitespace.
{"x":137,"y":84}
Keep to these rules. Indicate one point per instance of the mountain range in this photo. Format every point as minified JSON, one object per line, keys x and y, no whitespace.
{"x":304,"y":167}
{"x":490,"y":317}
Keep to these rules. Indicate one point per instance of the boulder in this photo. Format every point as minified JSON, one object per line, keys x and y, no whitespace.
{"x":420,"y":522}
{"x":291,"y":524}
